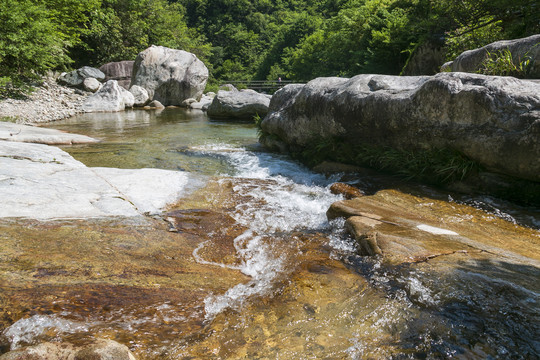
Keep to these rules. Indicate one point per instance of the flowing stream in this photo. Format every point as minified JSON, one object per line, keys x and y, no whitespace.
{"x":267,"y":276}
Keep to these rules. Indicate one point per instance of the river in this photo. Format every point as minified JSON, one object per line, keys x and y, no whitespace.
{"x":247,"y":265}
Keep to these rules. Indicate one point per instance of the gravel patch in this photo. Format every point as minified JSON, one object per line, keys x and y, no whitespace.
{"x":49,"y":102}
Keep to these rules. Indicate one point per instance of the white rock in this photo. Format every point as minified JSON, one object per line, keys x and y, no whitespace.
{"x":150,"y":190}
{"x":32,"y":134}
{"x":43,"y":182}
{"x":140,"y":95}
{"x":203,"y":104}
{"x":91,"y":84}
{"x":111,"y":97}
{"x":129,"y":99}
{"x":170,"y":76}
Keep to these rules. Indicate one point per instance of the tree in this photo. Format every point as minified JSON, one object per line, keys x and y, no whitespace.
{"x":120,"y":29}
{"x":30,"y":41}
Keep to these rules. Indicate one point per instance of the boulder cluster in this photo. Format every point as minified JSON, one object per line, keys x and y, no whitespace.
{"x":161,"y":77}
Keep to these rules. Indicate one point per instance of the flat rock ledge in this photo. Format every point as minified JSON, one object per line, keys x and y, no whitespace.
{"x":402,"y":228}
{"x":44,"y":182}
{"x":33,"y":134}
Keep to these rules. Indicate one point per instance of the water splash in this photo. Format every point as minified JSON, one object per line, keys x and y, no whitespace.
{"x":281,"y":196}
{"x":24,"y":331}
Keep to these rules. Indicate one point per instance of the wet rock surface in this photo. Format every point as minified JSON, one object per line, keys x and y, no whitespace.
{"x":135,"y":282}
{"x":405,"y":228}
{"x":245,"y":266}
{"x":100,"y":349}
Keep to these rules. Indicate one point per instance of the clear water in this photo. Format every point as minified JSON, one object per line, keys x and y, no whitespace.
{"x":309,"y":295}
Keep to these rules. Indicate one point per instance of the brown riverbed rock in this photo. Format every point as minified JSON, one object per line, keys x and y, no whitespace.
{"x":100,"y":349}
{"x":348,"y":191}
{"x":406,"y":228}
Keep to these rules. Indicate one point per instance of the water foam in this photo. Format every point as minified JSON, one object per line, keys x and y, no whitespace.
{"x":27,"y":329}
{"x":282,"y":196}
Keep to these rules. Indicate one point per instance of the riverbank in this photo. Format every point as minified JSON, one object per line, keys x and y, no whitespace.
{"x":48,"y":102}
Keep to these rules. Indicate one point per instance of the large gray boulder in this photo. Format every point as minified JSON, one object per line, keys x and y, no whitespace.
{"x":120,"y":71}
{"x":471,"y":60}
{"x":493,"y":120}
{"x":111,"y":97}
{"x":243,"y":104}
{"x":76,"y":78}
{"x":170,"y":76}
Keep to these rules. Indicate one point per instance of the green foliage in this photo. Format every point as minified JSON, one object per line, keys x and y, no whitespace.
{"x":252,"y":40}
{"x":12,"y":119}
{"x":437,"y":166}
{"x":120,"y":29}
{"x":365,"y":36}
{"x":14,"y":88}
{"x":30,"y":41}
{"x":503,"y":64}
{"x":466,"y":38}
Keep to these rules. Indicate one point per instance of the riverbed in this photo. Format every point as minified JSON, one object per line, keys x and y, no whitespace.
{"x":246,"y":265}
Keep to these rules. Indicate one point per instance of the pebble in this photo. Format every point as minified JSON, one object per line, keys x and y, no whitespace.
{"x":49,"y":102}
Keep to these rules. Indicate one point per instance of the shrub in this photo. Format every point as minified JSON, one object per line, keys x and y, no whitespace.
{"x":503,"y":64}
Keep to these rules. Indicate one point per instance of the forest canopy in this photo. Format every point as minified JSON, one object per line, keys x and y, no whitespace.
{"x":259,"y":39}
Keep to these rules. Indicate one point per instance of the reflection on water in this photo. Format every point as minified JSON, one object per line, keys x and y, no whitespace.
{"x":155,"y":139}
{"x":249,"y":266}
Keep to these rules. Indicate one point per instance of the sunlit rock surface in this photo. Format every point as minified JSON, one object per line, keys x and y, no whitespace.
{"x":492,"y":120}
{"x":109,"y":98}
{"x":33,"y":134}
{"x":405,"y":228}
{"x":243,"y":104}
{"x":520,"y":49}
{"x":169,"y":76}
{"x":43,"y":182}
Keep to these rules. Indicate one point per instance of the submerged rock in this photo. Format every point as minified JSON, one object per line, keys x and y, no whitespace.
{"x":494,"y":121}
{"x":243,"y":104}
{"x":100,"y":349}
{"x":170,"y":76}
